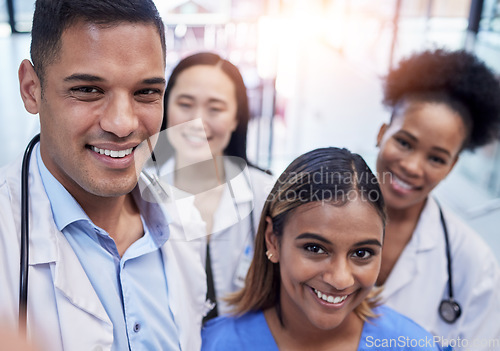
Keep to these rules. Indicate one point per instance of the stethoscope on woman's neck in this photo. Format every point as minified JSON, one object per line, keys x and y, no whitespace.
{"x":449,"y":309}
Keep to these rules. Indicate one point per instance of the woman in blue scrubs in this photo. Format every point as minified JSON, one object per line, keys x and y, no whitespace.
{"x":317,"y":257}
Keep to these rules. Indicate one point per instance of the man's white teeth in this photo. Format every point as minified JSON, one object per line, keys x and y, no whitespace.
{"x":330,"y":298}
{"x":401,"y":183}
{"x":113,"y":153}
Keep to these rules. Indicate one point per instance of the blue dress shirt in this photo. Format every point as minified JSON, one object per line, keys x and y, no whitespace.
{"x":132,"y":288}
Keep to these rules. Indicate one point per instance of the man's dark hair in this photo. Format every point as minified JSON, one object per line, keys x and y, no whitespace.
{"x":52,"y":17}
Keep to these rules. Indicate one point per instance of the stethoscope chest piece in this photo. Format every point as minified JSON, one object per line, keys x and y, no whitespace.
{"x":449,"y":311}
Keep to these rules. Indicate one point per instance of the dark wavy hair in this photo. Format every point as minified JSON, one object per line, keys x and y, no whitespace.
{"x":52,"y":17}
{"x":328,"y":174}
{"x":238,"y":143}
{"x":456,"y":78}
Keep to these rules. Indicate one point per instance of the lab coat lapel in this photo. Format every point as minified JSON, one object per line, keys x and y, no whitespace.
{"x":72,"y":281}
{"x":403,"y":272}
{"x":83,"y":320}
{"x":410,"y":261}
{"x":237,"y":200}
{"x":186,"y":279}
{"x":186,"y":289}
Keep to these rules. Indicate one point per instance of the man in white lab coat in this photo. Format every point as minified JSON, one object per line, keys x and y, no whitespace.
{"x":103,"y":274}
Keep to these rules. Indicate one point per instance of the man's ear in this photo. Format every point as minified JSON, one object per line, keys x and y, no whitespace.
{"x":381,"y":133}
{"x":272,"y":242}
{"x":30,"y":87}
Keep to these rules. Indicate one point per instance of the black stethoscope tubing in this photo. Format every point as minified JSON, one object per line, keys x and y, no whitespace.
{"x":23,"y":277}
{"x":449,"y":310}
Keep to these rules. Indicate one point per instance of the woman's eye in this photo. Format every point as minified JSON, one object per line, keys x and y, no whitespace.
{"x":437,"y":159}
{"x":403,"y":143}
{"x":363,"y":253}
{"x":215,"y":110}
{"x":314,"y":248}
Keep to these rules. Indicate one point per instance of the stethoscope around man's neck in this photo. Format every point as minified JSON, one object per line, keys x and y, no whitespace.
{"x":23,"y":276}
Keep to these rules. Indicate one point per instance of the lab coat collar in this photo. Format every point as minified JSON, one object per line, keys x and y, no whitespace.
{"x":43,"y":243}
{"x":49,"y":246}
{"x":238,"y":178}
{"x":184,"y":271}
{"x":429,"y":218}
{"x":407,"y":265}
{"x":236,"y":202}
{"x":66,"y":210}
{"x":186,"y":289}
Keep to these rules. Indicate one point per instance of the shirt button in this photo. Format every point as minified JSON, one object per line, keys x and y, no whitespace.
{"x":137,"y":327}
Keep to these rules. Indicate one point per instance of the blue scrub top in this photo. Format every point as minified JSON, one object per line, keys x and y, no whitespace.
{"x":391,"y":331}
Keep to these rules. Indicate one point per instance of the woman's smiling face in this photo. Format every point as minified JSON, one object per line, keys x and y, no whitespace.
{"x":417,"y":150}
{"x":329,"y":257}
{"x":206,"y":95}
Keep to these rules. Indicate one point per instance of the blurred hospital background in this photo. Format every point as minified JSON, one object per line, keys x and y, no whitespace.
{"x":313,"y":71}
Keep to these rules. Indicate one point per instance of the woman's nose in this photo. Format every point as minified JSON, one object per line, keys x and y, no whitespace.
{"x":339,"y":275}
{"x":412,"y":164}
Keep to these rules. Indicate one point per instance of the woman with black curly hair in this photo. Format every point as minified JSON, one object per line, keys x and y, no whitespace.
{"x":443,"y":103}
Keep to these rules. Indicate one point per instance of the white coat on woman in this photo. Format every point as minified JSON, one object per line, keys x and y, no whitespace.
{"x":419,"y":281}
{"x":235,"y":222}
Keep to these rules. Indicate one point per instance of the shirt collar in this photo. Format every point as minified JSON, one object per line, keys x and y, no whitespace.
{"x":66,"y":209}
{"x":155,"y":218}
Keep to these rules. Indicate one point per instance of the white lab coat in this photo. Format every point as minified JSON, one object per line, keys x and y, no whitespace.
{"x":418,"y":281}
{"x":231,"y":244}
{"x":64,"y":312}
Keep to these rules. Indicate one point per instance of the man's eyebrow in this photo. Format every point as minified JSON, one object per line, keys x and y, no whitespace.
{"x":91,"y":78}
{"x":83,"y":77}
{"x":156,"y":80}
